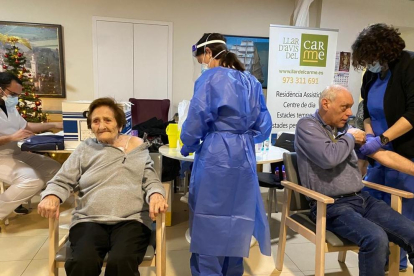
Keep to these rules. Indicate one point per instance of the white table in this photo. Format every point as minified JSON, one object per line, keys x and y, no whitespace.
{"x":273,"y":155}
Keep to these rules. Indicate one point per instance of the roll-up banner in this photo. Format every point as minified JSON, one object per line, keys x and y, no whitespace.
{"x":301,"y":65}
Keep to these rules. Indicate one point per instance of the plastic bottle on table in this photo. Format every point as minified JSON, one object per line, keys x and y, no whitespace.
{"x":266,"y":144}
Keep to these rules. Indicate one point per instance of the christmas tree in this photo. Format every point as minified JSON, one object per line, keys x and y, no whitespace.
{"x":14,"y":61}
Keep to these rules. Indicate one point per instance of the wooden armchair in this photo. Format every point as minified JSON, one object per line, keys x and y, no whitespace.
{"x":155,"y":255}
{"x":325,"y":241}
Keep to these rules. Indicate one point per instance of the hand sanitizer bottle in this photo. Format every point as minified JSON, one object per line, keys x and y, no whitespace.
{"x":266,"y":144}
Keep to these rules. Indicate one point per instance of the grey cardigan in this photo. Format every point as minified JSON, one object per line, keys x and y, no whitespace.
{"x":326,"y":166}
{"x":114,"y":186}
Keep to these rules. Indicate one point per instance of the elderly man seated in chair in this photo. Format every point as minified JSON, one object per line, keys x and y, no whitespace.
{"x":327,"y":164}
{"x":120,"y":194}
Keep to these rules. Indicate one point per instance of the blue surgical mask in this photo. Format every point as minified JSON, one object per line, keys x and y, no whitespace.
{"x":10,"y":101}
{"x":375,"y":67}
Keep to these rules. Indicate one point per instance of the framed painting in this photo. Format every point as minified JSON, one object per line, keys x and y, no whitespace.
{"x":253,"y":51}
{"x":42,"y":47}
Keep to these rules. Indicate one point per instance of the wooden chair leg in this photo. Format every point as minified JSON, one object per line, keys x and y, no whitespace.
{"x":283,"y":230}
{"x":320,"y":239}
{"x":269,"y":206}
{"x":394,"y":258}
{"x":342,"y":256}
{"x":394,"y":261}
{"x":275,"y":199}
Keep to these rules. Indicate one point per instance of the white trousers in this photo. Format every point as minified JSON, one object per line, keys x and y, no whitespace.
{"x":26,"y":173}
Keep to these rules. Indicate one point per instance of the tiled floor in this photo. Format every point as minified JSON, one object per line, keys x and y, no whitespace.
{"x":24,"y":248}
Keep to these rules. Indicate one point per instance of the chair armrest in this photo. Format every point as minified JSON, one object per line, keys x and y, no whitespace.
{"x":53,"y":244}
{"x":308,"y":192}
{"x":388,"y":190}
{"x":160,"y":241}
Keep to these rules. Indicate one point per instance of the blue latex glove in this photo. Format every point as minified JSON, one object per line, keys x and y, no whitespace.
{"x":184,"y":151}
{"x":369,"y":137}
{"x":360,"y":155}
{"x":372,"y":145}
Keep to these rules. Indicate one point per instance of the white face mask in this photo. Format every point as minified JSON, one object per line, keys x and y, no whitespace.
{"x":375,"y":67}
{"x":10,"y":101}
{"x":205,"y":66}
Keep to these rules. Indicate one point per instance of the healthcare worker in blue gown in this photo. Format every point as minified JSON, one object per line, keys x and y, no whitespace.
{"x":388,"y":93}
{"x":226,"y":117}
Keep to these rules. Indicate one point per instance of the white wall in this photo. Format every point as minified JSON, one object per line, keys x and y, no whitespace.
{"x":351,"y":16}
{"x":191,"y":18}
{"x":408,"y":35}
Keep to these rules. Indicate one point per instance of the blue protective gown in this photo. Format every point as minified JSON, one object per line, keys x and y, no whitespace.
{"x":227,"y":114}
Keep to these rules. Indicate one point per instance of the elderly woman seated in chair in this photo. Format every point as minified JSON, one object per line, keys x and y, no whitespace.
{"x":120,"y":194}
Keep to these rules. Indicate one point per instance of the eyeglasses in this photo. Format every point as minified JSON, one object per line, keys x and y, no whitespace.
{"x":12,"y":93}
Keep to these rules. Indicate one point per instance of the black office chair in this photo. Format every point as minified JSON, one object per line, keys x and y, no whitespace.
{"x":269,"y":179}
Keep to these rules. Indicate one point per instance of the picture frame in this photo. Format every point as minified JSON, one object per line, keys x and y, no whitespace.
{"x":253,"y":52}
{"x":45,"y":60}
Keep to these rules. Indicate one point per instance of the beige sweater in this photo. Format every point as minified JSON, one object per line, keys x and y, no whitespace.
{"x":113,"y":186}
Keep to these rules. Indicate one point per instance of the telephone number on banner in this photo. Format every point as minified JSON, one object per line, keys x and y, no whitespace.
{"x":296,"y":80}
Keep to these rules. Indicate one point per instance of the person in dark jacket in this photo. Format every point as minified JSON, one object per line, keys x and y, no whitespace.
{"x":388,"y":93}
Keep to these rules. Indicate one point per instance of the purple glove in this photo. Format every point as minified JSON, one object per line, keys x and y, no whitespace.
{"x":360,"y":155}
{"x":372,"y":145}
{"x":369,"y":137}
{"x":184,"y":151}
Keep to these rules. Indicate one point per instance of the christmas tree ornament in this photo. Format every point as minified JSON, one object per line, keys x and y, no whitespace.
{"x":19,"y":54}
{"x":4,"y":67}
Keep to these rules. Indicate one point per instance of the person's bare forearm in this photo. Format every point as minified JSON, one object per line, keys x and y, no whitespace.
{"x":394,"y":161}
{"x":40,"y":127}
{"x":400,"y":127}
{"x":367,"y":126}
{"x":5,"y":139}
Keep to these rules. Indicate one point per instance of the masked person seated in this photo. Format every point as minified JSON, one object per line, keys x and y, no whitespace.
{"x":25,"y":172}
{"x":119,"y":196}
{"x":327,"y":164}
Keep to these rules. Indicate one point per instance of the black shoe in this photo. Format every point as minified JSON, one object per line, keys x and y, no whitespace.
{"x":21,"y":210}
{"x":402,"y":269}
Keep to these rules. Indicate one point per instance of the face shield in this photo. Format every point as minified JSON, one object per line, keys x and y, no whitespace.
{"x":197,"y":68}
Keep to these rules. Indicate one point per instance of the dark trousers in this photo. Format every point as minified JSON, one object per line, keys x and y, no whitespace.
{"x":371,"y":224}
{"x":125,"y":243}
{"x":205,"y":265}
